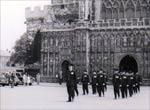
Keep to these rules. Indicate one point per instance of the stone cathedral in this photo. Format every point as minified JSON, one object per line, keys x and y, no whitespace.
{"x":92,"y":35}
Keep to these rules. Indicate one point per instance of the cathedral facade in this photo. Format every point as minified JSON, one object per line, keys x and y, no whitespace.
{"x":92,"y":35}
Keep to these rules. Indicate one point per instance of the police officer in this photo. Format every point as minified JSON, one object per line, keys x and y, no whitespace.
{"x":116,"y":84}
{"x":138,"y":81}
{"x":100,"y":81}
{"x":71,"y":80}
{"x":105,"y":81}
{"x":124,"y":85}
{"x":134,"y":84}
{"x":130,"y":83}
{"x":94,"y":77}
{"x":85,"y":81}
{"x":76,"y":87}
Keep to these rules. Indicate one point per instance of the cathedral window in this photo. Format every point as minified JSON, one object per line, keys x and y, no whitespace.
{"x":108,"y":13}
{"x":103,"y":12}
{"x":115,"y":10}
{"x":130,"y":10}
{"x":121,"y":10}
{"x":115,"y":13}
{"x":62,"y":6}
{"x":138,"y":9}
{"x":144,"y":12}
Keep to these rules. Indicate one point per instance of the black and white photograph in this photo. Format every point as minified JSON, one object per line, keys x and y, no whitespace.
{"x":75,"y":55}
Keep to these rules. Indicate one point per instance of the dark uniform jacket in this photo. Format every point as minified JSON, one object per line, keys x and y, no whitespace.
{"x":94,"y":79}
{"x":138,"y":79}
{"x":124,"y":80}
{"x":85,"y":79}
{"x":105,"y":78}
{"x":71,"y":78}
{"x":130,"y":80}
{"x":100,"y":79}
{"x":116,"y":80}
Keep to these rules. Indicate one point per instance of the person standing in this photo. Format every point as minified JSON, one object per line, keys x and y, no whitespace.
{"x":116,"y":84}
{"x":29,"y":80}
{"x":138,"y":81}
{"x":25,"y":79}
{"x":71,"y":80}
{"x":134,"y":84}
{"x":130,"y":83}
{"x":100,"y":81}
{"x":105,"y":81}
{"x":38,"y":77}
{"x":12,"y":78}
{"x":76,"y":86}
{"x":94,"y":77}
{"x":124,"y":83}
{"x":60,"y":77}
{"x":85,"y":81}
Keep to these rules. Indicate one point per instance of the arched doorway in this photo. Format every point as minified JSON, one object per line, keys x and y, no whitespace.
{"x":128,"y":63}
{"x":64,"y":67}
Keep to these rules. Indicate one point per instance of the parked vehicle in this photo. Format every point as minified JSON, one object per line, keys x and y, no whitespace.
{"x":3,"y":79}
{"x":17,"y":81}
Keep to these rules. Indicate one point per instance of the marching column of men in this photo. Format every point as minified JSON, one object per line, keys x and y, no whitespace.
{"x":126,"y":83}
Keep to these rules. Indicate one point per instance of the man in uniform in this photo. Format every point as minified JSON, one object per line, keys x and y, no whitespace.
{"x":134,"y":84}
{"x":94,"y":77}
{"x":116,"y":84}
{"x":85,"y":81}
{"x":124,"y":82}
{"x":71,"y":80}
{"x":138,"y":81}
{"x":100,"y":81}
{"x":105,"y":81}
{"x":130,"y":83}
{"x":76,"y":87}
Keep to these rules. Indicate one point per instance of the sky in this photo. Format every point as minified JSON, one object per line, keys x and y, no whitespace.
{"x":12,"y":16}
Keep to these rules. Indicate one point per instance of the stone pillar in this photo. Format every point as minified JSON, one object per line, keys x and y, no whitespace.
{"x":87,"y":49}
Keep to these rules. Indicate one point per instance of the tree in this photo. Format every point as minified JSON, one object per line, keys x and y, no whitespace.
{"x":37,"y":47}
{"x":22,"y":50}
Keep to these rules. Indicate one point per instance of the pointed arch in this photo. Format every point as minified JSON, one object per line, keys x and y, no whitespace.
{"x":144,"y":2}
{"x":116,"y":4}
{"x":109,"y":4}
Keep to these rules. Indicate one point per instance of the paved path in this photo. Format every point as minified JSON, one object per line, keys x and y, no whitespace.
{"x":54,"y":96}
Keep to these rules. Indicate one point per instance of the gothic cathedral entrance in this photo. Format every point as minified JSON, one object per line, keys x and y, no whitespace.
{"x":128,"y":63}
